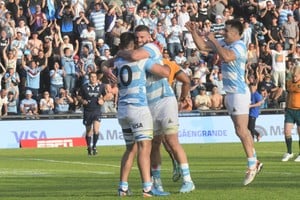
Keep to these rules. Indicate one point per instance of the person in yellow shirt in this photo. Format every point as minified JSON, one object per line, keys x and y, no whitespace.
{"x":292,"y":113}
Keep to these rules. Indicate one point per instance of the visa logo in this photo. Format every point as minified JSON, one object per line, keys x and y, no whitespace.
{"x":29,"y":135}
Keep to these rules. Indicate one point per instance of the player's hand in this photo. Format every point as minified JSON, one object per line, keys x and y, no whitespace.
{"x":111,"y":76}
{"x":85,"y":102}
{"x":100,"y":100}
{"x":191,"y":26}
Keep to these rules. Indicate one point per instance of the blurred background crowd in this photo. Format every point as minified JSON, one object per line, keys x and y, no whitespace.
{"x":48,"y":48}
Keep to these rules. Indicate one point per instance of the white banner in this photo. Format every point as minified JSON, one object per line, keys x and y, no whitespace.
{"x":203,"y":129}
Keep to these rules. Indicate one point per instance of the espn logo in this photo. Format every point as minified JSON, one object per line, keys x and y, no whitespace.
{"x":54,"y":143}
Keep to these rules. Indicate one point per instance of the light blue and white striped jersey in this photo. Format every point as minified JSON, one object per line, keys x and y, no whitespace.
{"x":234,"y":72}
{"x":132,"y":81}
{"x":157,"y":87}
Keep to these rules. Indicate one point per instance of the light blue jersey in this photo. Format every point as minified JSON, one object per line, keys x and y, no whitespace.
{"x":234,"y":72}
{"x":156,"y":87}
{"x":132,"y":80}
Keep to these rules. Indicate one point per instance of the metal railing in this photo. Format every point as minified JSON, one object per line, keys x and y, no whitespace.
{"x":193,"y":113}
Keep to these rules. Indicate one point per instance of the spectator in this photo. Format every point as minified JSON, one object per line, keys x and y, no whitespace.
{"x":28,"y":105}
{"x":77,"y":102}
{"x":252,"y":55}
{"x":88,"y":37}
{"x":41,"y":60}
{"x":97,"y":17}
{"x":227,"y":14}
{"x":81,"y":23}
{"x":202,"y":71}
{"x":159,"y":35}
{"x":188,"y":43}
{"x":116,"y":32}
{"x":180,"y":59}
{"x":50,"y":9}
{"x":194,"y":59}
{"x":284,"y":10}
{"x":66,"y":15}
{"x":185,"y":105}
{"x":21,"y":15}
{"x":290,"y":31}
{"x":173,"y":37}
{"x":216,"y":99}
{"x":63,"y":101}
{"x":247,"y":34}
{"x":268,"y":14}
{"x":78,"y":6}
{"x":24,"y":29}
{"x":203,"y":9}
{"x":19,"y":45}
{"x":37,"y":18}
{"x":12,"y":81}
{"x":256,"y":102}
{"x":153,"y":19}
{"x":32,"y":5}
{"x":265,"y":97}
{"x":9,"y":24}
{"x":166,"y":17}
{"x":218,"y":28}
{"x":33,"y":76}
{"x":258,"y":29}
{"x":296,"y":54}
{"x":35,"y":42}
{"x":110,"y":98}
{"x":207,"y":27}
{"x":87,"y":57}
{"x":68,"y":64}
{"x":279,"y":64}
{"x":275,"y":32}
{"x":56,"y":79}
{"x":202,"y":100}
{"x":3,"y":43}
{"x":218,"y":81}
{"x":101,"y":46}
{"x":46,"y":104}
{"x":46,"y":29}
{"x":3,"y":8}
{"x":265,"y":56}
{"x":2,"y":74}
{"x":12,"y":104}
{"x":217,"y":7}
{"x":274,"y":92}
{"x":106,"y":55}
{"x":3,"y":102}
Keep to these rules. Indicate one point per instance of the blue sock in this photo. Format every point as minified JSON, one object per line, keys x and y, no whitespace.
{"x":252,"y":163}
{"x":123,"y":185}
{"x":147,"y":186}
{"x":185,"y":171}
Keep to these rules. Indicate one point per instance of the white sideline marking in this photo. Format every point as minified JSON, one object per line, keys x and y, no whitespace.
{"x":67,"y":162}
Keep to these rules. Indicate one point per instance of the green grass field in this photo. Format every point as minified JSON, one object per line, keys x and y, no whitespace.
{"x":217,"y":170}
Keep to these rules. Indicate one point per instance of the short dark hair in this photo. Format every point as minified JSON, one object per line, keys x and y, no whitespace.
{"x":126,"y":38}
{"x":141,"y":28}
{"x":235,"y":24}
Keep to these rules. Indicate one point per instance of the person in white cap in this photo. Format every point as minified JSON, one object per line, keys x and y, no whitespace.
{"x":28,"y":106}
{"x":101,"y":46}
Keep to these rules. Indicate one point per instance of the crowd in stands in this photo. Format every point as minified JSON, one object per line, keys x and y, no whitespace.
{"x":48,"y":48}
